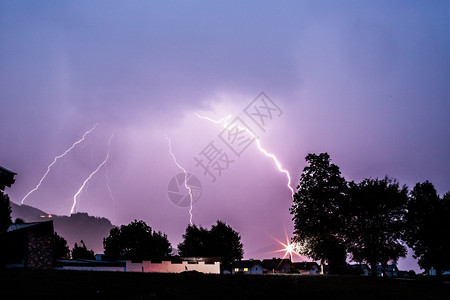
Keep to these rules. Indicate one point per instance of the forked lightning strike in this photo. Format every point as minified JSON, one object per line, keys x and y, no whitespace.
{"x":111,"y":196}
{"x":87,"y":180}
{"x":260,"y":148}
{"x":188,"y":188}
{"x":214,"y":121}
{"x":278,"y":164}
{"x":54,"y":161}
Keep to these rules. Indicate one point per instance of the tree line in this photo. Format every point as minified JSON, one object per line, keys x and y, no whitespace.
{"x":372,"y":221}
{"x":137,"y":241}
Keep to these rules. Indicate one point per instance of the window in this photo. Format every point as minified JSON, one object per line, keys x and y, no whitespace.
{"x":245,"y":269}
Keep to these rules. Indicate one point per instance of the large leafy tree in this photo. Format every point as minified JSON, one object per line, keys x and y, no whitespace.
{"x":317,"y":210}
{"x":226,"y":243}
{"x":376,"y":221}
{"x":428,"y":227}
{"x":221,"y":241}
{"x":136,"y":241}
{"x":61,"y":248}
{"x":82,"y":252}
{"x":195,"y":242}
{"x":5,"y":212}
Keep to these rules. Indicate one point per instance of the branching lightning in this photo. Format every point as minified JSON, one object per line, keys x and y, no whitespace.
{"x":89,"y":178}
{"x":54,"y":161}
{"x":188,"y":188}
{"x":278,"y":164}
{"x":214,"y":121}
{"x":111,"y":196}
{"x":260,"y":148}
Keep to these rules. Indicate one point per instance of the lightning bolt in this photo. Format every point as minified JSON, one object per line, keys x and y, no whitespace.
{"x":260,"y":148}
{"x":89,"y":178}
{"x":188,"y":188}
{"x":111,"y":196}
{"x":214,"y":121}
{"x":278,"y":164}
{"x":54,"y":161}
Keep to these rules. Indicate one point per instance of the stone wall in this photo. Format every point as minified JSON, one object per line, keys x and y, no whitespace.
{"x":39,"y":250}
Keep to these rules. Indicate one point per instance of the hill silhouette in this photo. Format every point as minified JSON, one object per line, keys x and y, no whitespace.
{"x":73,"y":228}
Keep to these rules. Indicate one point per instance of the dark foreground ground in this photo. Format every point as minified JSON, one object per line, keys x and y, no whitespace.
{"x":23,"y":284}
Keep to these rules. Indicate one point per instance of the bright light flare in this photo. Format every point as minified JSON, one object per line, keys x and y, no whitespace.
{"x":188,"y":188}
{"x":288,"y":249}
{"x":54,"y":161}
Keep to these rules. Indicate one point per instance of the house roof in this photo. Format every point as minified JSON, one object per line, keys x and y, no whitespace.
{"x":46,"y":225}
{"x":391,"y":268}
{"x":6,"y":178}
{"x":88,"y":263}
{"x":15,"y":227}
{"x":387,"y":268}
{"x":195,"y":259}
{"x":359,"y":266}
{"x":179,"y":259}
{"x":304,"y":265}
{"x":275,"y":263}
{"x":246,"y":263}
{"x":5,"y":170}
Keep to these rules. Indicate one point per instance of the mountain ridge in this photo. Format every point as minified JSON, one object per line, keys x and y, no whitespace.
{"x":73,"y":228}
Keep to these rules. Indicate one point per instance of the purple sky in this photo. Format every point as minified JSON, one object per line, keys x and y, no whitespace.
{"x":367,"y":83}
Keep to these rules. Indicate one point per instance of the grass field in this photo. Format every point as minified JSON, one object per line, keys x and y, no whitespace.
{"x":27,"y":284}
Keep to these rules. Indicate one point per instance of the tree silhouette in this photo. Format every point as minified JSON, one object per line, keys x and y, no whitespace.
{"x":317,"y":213}
{"x":136,"y":241}
{"x":225,"y":243}
{"x":61,"y":248}
{"x":221,"y":241}
{"x":428,"y":227}
{"x":195,"y":242}
{"x":376,"y":220}
{"x":81,"y":252}
{"x":5,"y":212}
